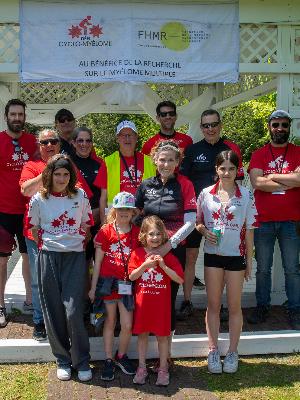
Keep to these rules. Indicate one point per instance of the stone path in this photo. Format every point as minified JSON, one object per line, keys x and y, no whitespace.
{"x":185,"y":384}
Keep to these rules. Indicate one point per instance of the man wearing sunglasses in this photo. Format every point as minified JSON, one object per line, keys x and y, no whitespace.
{"x":275,"y":178}
{"x":199,"y":166}
{"x":65,"y":125}
{"x":16,"y":148}
{"x":166,"y":116}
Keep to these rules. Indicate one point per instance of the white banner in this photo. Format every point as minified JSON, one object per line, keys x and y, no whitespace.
{"x":87,"y":42}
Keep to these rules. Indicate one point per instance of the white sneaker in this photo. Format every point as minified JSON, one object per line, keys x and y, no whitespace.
{"x":231,"y":362}
{"x":63,"y":373}
{"x":214,"y":362}
{"x":3,"y":318}
{"x":84,"y":376}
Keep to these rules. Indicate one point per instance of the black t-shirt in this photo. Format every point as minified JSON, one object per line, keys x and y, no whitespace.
{"x":199,"y":162}
{"x":66,"y":147}
{"x":89,"y":169}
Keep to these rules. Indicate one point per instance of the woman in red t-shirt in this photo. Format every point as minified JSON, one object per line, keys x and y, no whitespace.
{"x":114,"y":243}
{"x":153,"y":274}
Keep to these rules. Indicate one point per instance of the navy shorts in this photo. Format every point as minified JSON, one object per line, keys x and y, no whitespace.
{"x":13,"y":223}
{"x":228,"y":263}
{"x":193,"y":240}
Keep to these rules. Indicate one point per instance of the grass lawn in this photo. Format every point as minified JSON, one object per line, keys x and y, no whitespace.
{"x":261,"y":378}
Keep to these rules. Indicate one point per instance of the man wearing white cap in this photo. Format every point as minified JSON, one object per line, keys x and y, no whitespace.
{"x":274,"y":176}
{"x":126,"y":167}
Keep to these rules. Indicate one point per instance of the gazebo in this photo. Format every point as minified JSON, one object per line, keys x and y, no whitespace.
{"x":269,"y":61}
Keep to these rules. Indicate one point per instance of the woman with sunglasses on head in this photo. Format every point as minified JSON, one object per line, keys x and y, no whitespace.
{"x":226,"y":215}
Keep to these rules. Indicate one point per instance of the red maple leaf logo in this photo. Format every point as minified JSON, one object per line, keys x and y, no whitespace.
{"x":230,"y":216}
{"x":71,"y":221}
{"x":75,"y":31}
{"x":216,"y":215}
{"x":55,"y":223}
{"x":96,"y":30}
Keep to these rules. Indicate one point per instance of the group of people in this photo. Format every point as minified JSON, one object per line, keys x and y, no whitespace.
{"x":141,"y":217}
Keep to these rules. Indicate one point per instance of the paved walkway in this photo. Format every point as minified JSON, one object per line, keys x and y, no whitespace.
{"x":185,"y":384}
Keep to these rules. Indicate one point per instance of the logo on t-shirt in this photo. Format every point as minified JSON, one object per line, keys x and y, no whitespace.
{"x":151,"y":192}
{"x":201,"y":158}
{"x":152,"y":276}
{"x":278,"y":164}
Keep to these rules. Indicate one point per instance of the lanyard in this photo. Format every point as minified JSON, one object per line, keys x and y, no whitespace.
{"x":134,"y":181}
{"x":125,"y":262}
{"x":279,"y":171}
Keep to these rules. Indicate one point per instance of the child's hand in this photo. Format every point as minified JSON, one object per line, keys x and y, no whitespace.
{"x":159,"y":260}
{"x":91,"y":295}
{"x":150,"y":262}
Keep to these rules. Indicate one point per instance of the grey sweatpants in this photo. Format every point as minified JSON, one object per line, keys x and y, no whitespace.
{"x":61,"y":280}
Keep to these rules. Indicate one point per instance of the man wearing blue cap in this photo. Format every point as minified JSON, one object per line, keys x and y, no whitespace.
{"x":274,"y":176}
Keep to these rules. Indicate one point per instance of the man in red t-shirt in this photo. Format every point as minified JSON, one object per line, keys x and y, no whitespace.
{"x":16,"y":148}
{"x":274,"y":173}
{"x":166,"y":116}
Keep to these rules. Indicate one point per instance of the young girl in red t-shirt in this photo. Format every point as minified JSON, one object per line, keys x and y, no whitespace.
{"x":114,"y":243}
{"x":153,"y":275}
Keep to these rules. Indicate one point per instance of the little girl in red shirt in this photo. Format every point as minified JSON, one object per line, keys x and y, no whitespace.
{"x":114,"y":243}
{"x":153,"y":275}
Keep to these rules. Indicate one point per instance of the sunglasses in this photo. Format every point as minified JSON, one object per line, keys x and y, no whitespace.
{"x":45,"y":142}
{"x":211,"y":125}
{"x":164,"y":114}
{"x":15,"y":142}
{"x":81,"y":141}
{"x":64,"y":119}
{"x":284,"y":125}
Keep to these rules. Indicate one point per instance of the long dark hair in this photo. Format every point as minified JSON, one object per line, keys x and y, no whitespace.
{"x":47,"y":175}
{"x":227,"y":155}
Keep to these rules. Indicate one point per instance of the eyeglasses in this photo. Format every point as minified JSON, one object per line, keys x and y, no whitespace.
{"x":81,"y":141}
{"x":15,"y":142}
{"x":45,"y":142}
{"x":211,"y":125}
{"x":284,"y":125}
{"x":64,"y":119}
{"x":164,"y":114}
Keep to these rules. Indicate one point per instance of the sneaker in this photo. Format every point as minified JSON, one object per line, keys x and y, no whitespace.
{"x":214,"y":362}
{"x":85,"y":376}
{"x":3,"y":317}
{"x":231,"y":362}
{"x":39,"y":332}
{"x":27,"y":308}
{"x":125,"y":364}
{"x":200,"y":285}
{"x":155,"y":367}
{"x":185,"y":311}
{"x":294,"y":319}
{"x":258,"y":315}
{"x":224,"y":314}
{"x":108,"y":372}
{"x":63,"y":373}
{"x":163,"y":378}
{"x":140,"y":376}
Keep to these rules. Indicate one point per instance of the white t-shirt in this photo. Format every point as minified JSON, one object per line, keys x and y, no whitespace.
{"x":231,"y":221}
{"x":61,"y":220}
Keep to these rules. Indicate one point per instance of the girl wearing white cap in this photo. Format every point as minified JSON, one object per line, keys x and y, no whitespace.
{"x":114,"y":243}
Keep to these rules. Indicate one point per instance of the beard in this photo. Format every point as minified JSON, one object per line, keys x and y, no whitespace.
{"x":15,"y":127}
{"x":280,"y":137}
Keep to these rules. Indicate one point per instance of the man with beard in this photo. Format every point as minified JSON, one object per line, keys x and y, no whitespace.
{"x":274,"y":176}
{"x":16,"y":148}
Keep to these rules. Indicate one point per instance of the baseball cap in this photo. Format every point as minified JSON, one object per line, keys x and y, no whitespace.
{"x":126,"y":124}
{"x":123,"y":200}
{"x":64,"y":113}
{"x":279,"y":114}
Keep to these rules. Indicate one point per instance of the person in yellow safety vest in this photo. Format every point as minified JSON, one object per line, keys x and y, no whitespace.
{"x":126,"y":168}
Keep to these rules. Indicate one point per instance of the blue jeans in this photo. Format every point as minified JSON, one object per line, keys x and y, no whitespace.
{"x":264,"y":241}
{"x":32,"y":251}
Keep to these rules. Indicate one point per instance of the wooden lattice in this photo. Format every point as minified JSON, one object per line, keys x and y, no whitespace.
{"x":296,"y":91}
{"x":258,"y":43}
{"x":297,"y":46}
{"x":51,"y":93}
{"x":9,"y":43}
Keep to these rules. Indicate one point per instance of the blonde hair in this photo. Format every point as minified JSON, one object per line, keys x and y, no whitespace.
{"x":166,"y":145}
{"x":152,"y":220}
{"x":112,"y":215}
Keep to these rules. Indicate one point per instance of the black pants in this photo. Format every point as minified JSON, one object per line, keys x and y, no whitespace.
{"x":180,"y":253}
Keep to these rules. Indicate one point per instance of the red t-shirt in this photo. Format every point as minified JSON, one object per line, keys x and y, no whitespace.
{"x":152,"y":311}
{"x":11,"y":164}
{"x":112,"y":264}
{"x":126,"y":183}
{"x":272,"y":160}
{"x":181,"y":139}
